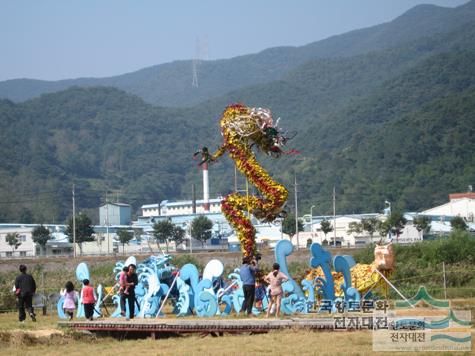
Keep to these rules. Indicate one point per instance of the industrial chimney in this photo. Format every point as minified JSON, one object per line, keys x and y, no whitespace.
{"x":205,"y":187}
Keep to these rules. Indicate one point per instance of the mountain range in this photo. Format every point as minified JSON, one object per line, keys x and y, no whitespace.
{"x":169,"y":84}
{"x":382,"y":113}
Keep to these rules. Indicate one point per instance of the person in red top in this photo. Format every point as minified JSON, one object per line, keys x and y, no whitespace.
{"x":88,"y":299}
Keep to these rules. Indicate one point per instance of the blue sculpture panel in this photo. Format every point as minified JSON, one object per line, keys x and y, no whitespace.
{"x":158,"y":279}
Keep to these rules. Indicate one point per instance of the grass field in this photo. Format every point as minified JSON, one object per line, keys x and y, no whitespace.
{"x":44,"y":338}
{"x":418,"y":265}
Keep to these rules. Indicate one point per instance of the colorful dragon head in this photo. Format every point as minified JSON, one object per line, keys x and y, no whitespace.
{"x":253,"y":127}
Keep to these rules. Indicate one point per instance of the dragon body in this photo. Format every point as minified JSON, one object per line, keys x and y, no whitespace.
{"x":364,"y":277}
{"x":244,"y":128}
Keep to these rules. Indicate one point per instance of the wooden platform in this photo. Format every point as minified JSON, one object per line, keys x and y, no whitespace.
{"x":166,"y":327}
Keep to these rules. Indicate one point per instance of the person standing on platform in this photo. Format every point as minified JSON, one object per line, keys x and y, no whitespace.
{"x":248,"y":277}
{"x":131,"y":282}
{"x":25,"y":288}
{"x":275,"y":280}
{"x":88,"y":299}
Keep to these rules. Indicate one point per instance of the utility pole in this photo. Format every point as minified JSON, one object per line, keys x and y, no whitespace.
{"x":334,"y":217}
{"x":191,"y":239}
{"x":74,"y":223}
{"x":311,"y":221}
{"x":296,"y":211}
{"x":107,"y":224}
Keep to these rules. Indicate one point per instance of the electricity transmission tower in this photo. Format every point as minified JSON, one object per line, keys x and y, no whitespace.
{"x":201,"y":53}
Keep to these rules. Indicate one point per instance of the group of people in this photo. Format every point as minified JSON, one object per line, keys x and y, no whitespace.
{"x":25,"y":288}
{"x":88,"y":299}
{"x":254,"y":289}
{"x":127,"y":281}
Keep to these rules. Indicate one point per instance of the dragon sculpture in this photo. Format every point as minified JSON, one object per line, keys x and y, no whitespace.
{"x":244,"y":128}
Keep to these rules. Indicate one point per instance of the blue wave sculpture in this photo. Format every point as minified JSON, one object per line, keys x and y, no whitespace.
{"x":209,"y":296}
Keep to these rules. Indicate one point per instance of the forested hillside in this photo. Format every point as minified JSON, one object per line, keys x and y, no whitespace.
{"x":394,"y":124}
{"x":170,"y":84}
{"x":409,"y":139}
{"x":98,"y":138}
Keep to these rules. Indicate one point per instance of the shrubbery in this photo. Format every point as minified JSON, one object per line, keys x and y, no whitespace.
{"x":421,"y":264}
{"x":459,"y":247}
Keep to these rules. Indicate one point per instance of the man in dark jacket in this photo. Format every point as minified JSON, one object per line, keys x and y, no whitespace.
{"x":248,"y":277}
{"x":132,"y":281}
{"x":25,"y":288}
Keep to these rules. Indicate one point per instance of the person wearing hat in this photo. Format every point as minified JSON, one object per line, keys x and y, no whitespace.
{"x":25,"y":288}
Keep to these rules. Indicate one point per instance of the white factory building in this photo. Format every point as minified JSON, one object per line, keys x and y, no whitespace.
{"x":184,"y":207}
{"x":460,"y":204}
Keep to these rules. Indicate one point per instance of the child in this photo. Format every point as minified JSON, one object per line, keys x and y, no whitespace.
{"x":69,"y":304}
{"x":124,"y":288}
{"x":88,"y":299}
{"x":260,"y":293}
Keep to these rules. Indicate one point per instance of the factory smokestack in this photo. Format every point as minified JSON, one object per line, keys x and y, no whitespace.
{"x":205,"y":187}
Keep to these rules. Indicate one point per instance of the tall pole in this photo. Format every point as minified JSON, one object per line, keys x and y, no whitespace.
{"x":334,"y":217}
{"x":74,"y":223}
{"x":107,"y":224}
{"x":191,"y":239}
{"x":311,"y":221}
{"x":296,"y":211}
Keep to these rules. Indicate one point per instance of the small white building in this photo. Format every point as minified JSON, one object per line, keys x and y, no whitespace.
{"x":26,"y":248}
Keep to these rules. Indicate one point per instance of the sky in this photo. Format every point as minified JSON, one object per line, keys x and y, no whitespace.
{"x":59,"y":39}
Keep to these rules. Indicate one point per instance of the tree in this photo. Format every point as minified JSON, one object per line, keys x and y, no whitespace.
{"x":326,"y":227}
{"x":201,"y":229}
{"x":13,"y":239}
{"x":355,"y":227}
{"x":396,"y":223}
{"x":422,"y":224}
{"x":288,"y":225}
{"x":124,"y":236}
{"x":458,"y":223}
{"x":178,"y":235}
{"x":40,"y":236}
{"x":84,"y":230}
{"x":369,"y":225}
{"x":138,"y":232}
{"x":383,"y":228}
{"x":162,"y":231}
